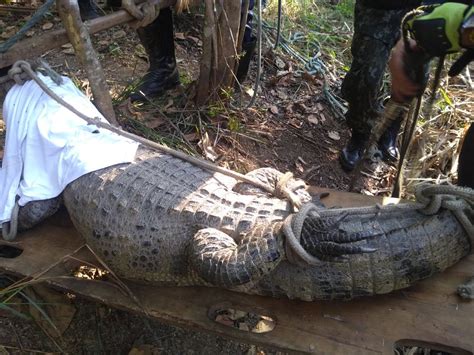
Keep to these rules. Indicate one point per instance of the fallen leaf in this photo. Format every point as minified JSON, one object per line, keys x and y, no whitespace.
{"x":47,"y":26}
{"x":280,"y":63}
{"x":119,"y":34}
{"x":195,"y":40}
{"x":264,"y":326}
{"x":322,"y":117}
{"x":30,"y":33}
{"x":67,"y":45}
{"x":179,"y":35}
{"x":207,"y":149}
{"x":155,"y":122}
{"x":282,"y":95}
{"x":334,"y":135}
{"x":8,"y":32}
{"x":274,"y":109}
{"x":69,"y":51}
{"x":313,"y":119}
{"x":192,"y":137}
{"x":103,"y":42}
{"x":249,"y":91}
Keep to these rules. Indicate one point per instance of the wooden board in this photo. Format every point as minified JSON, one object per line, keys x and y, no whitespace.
{"x":429,"y":312}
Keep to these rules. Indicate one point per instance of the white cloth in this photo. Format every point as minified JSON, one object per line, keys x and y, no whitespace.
{"x":47,"y":146}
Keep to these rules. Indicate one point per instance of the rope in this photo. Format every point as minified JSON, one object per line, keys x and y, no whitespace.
{"x":282,"y":190}
{"x":430,"y":199}
{"x":458,"y":200}
{"x":292,"y":227}
{"x":37,"y":16}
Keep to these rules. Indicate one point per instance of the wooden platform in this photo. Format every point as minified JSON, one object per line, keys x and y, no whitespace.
{"x":430,"y":312}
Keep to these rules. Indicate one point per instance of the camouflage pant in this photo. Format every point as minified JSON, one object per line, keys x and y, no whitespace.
{"x":375,"y":33}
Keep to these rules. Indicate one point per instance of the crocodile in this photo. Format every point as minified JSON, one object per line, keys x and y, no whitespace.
{"x":163,"y":221}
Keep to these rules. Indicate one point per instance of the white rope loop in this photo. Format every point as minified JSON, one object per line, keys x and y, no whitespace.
{"x":458,"y":200}
{"x":292,"y":227}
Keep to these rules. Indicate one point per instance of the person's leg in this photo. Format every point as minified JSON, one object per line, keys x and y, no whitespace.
{"x":375,"y":33}
{"x":158,"y":40}
{"x":88,"y":9}
{"x":466,"y":160}
{"x":249,"y":43}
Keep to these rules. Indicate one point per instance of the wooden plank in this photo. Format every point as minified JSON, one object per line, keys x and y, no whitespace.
{"x":429,"y":312}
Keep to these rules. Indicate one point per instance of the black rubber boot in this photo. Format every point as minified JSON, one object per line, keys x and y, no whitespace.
{"x":388,"y":142}
{"x":114,"y":4}
{"x":88,"y":9}
{"x":353,"y":151}
{"x":242,"y":70}
{"x":162,"y":75}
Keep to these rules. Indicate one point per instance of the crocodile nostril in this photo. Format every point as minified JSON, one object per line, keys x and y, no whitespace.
{"x":10,"y":252}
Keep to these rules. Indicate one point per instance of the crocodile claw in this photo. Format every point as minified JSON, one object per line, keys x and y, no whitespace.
{"x":325,"y":239}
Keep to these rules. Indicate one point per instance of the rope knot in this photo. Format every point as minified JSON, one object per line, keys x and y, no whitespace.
{"x":287,"y":187}
{"x":458,"y":200}
{"x":18,"y":72}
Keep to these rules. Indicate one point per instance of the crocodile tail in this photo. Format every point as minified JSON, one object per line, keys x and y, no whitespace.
{"x":410,"y":246}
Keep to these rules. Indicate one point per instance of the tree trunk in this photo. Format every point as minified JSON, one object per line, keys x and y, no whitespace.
{"x":220,"y":44}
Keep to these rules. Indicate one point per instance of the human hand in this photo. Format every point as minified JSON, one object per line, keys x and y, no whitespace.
{"x":145,"y":13}
{"x":404,"y":88}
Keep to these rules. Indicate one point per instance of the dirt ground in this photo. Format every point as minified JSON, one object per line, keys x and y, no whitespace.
{"x":292,"y":128}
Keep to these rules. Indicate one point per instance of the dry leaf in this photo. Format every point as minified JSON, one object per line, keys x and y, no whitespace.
{"x":8,"y":32}
{"x":313,"y":119}
{"x":195,"y":40}
{"x":322,"y":117}
{"x":179,"y":35}
{"x":282,"y":95}
{"x":280,"y":63}
{"x":119,"y":34}
{"x":334,"y":135}
{"x":47,"y":26}
{"x":207,"y":149}
{"x":273,"y":109}
{"x":69,"y":51}
{"x":30,"y":33}
{"x":155,"y":122}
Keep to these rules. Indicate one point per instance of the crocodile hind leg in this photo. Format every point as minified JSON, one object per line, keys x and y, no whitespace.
{"x":219,"y":260}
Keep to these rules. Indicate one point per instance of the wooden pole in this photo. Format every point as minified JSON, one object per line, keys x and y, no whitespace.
{"x":34,"y":47}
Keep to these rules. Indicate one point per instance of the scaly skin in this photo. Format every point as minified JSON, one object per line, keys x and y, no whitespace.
{"x":164,"y":221}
